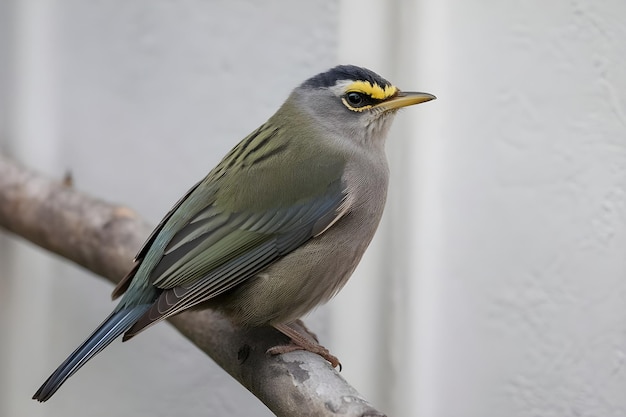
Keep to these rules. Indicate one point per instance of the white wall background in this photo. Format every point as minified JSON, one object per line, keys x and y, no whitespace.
{"x":497,"y":285}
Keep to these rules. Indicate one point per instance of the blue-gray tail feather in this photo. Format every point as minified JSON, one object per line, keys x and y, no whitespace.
{"x":116,"y":324}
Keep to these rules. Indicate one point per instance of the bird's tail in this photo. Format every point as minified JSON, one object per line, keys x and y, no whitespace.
{"x":116,"y":324}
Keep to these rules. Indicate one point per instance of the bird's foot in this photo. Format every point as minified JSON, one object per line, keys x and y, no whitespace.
{"x":302,"y":339}
{"x":318,"y":349}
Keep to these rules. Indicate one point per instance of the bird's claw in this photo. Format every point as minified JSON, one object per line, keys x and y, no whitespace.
{"x":319,"y":350}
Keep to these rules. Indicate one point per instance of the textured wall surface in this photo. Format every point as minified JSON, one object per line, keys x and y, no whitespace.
{"x":521,"y":265}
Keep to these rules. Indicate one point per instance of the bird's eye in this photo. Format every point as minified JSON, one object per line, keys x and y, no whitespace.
{"x":355,"y":99}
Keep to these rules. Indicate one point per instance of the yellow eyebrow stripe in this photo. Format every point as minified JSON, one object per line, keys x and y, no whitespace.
{"x":372,"y":90}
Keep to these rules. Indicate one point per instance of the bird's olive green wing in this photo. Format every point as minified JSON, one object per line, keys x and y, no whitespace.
{"x":214,"y":244}
{"x":239,"y":220}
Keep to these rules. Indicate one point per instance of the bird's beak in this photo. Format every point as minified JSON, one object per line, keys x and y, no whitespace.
{"x":404,"y":99}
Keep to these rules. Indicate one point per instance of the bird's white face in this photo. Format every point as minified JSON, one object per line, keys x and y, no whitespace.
{"x":362,"y":99}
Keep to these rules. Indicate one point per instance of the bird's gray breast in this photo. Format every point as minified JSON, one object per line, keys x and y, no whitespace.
{"x":314,"y":272}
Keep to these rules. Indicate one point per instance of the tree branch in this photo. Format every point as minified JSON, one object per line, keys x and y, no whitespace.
{"x":104,"y":238}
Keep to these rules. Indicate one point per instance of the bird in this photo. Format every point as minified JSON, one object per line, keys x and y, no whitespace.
{"x":276,"y":228}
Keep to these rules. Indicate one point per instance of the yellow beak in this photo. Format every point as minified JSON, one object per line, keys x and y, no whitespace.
{"x":404,"y":99}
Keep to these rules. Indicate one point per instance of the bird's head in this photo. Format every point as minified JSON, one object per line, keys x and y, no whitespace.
{"x":353,"y":102}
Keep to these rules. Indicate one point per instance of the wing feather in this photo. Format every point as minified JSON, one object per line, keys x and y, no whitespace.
{"x":248,"y":254}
